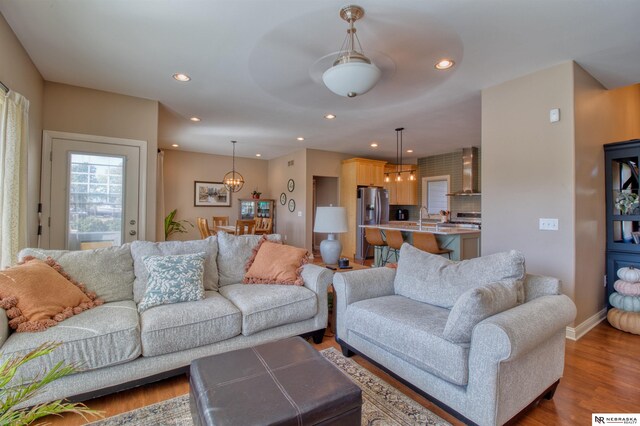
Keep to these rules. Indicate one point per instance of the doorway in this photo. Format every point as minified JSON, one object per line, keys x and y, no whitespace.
{"x":325,"y":193}
{"x":92,"y":191}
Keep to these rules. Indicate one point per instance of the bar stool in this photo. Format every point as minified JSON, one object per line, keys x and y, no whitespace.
{"x":375,"y":240}
{"x":426,"y":241}
{"x":394,"y":241}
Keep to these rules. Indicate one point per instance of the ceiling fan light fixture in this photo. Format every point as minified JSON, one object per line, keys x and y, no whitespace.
{"x":444,"y":64}
{"x":352,"y":73}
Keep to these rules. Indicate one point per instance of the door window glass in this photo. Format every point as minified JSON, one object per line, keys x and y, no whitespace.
{"x":95,"y":201}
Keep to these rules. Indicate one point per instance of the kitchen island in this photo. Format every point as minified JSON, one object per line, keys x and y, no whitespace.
{"x":464,"y":241}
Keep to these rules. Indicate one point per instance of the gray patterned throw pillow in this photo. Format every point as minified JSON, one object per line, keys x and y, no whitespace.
{"x":173,"y":279}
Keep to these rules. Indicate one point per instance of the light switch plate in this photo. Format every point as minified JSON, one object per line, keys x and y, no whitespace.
{"x":554,"y":115}
{"x":548,"y":224}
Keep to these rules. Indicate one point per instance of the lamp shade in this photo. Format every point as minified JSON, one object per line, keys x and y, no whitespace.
{"x":331,"y":220}
{"x":351,"y":78}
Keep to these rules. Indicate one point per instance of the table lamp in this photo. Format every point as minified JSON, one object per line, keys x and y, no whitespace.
{"x":331,"y":220}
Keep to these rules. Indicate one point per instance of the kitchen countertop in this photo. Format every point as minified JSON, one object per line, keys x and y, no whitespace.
{"x":413,"y":227}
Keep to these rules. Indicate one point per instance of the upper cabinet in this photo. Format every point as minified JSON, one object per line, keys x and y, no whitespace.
{"x":367,"y":172}
{"x":405,"y":192}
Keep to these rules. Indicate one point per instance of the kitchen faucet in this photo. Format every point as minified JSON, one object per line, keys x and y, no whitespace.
{"x":420,"y":216}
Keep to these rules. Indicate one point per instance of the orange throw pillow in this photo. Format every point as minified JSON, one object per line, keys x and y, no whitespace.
{"x":275,"y":263}
{"x":39,"y":294}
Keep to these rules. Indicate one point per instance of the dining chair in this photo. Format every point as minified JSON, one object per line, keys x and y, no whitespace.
{"x":219,"y":221}
{"x":203,"y":227}
{"x":245,"y":227}
{"x":264,"y":225}
{"x":426,"y":241}
{"x":394,"y":242}
{"x":375,"y":240}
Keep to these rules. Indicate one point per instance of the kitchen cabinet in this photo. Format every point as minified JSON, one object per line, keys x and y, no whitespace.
{"x":367,"y":172}
{"x":356,"y":172}
{"x":622,"y":193}
{"x":405,"y":192}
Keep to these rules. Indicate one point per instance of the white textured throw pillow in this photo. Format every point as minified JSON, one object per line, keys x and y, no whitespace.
{"x":140,"y":249}
{"x":432,"y":279}
{"x":479,"y":303}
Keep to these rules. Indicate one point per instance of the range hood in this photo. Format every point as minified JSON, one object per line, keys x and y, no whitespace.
{"x":469,"y":173}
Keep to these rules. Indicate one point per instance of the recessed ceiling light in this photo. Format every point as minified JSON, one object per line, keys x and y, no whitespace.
{"x":258,"y":155}
{"x":330,"y":116}
{"x":175,"y":145}
{"x":300,"y":138}
{"x":444,"y":64}
{"x":181,"y":77}
{"x":374,"y":145}
{"x":194,"y":119}
{"x":409,"y":151}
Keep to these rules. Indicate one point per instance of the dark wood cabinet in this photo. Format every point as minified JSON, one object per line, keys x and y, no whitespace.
{"x":622,"y":190}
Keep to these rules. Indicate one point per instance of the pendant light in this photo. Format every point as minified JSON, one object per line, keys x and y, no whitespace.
{"x":399,"y":165}
{"x":352,"y":72}
{"x":233,"y":180}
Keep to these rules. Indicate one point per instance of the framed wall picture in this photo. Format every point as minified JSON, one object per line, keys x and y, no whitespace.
{"x":211,"y":194}
{"x":292,"y":205}
{"x":291,"y":185}
{"x":283,"y":198}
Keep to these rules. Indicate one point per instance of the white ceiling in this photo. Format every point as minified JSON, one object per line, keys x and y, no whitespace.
{"x":256,"y":64}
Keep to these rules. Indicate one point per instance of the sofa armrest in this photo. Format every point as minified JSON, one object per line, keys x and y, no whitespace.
{"x":4,"y":327}
{"x":317,"y":278}
{"x":516,"y":331}
{"x":353,"y":286}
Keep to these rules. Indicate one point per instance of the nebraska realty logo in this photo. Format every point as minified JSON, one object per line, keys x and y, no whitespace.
{"x":615,"y":419}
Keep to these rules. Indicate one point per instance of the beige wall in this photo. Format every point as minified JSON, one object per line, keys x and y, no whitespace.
{"x":292,"y":226}
{"x":20,"y":75}
{"x":182,"y":169}
{"x":528,"y":171}
{"x":320,"y":163}
{"x":534,"y":169}
{"x":94,"y":112}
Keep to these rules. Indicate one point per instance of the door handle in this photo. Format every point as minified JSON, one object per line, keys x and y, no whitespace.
{"x":132,"y":232}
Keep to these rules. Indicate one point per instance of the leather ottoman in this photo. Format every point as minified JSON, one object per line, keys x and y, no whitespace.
{"x":280,"y":383}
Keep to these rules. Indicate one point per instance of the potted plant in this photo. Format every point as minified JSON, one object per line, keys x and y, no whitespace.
{"x":256,"y":194}
{"x":13,"y":395}
{"x":171,"y":226}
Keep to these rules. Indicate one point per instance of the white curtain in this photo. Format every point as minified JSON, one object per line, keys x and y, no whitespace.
{"x":160,"y":197}
{"x":14,"y":137}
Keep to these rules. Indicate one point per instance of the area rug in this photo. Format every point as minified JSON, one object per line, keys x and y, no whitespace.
{"x":382,"y":403}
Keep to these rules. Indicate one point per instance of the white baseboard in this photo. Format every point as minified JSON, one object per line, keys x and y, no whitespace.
{"x":574,"y":333}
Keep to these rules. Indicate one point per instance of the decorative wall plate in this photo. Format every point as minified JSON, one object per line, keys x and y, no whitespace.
{"x":292,"y":205}
{"x":291,"y":185}
{"x":283,"y":198}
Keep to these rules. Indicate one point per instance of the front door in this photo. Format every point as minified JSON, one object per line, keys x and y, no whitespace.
{"x":93,"y":194}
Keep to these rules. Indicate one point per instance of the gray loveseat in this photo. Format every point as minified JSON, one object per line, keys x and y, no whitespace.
{"x":119,"y":348}
{"x":508,"y":359}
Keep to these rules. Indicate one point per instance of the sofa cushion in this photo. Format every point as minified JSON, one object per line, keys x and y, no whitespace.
{"x":140,"y":249}
{"x":268,"y":306}
{"x":173,"y":279}
{"x":410,"y":330}
{"x":103,"y":336}
{"x":173,"y":328}
{"x":276,"y":264}
{"x":39,"y":294}
{"x":438,"y":281}
{"x":233,"y":254}
{"x":479,"y":303}
{"x":108,"y":272}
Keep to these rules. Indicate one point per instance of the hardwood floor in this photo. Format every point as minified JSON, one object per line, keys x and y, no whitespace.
{"x":602,"y":373}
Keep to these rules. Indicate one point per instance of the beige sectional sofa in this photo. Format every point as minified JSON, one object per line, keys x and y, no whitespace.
{"x":118,"y":348}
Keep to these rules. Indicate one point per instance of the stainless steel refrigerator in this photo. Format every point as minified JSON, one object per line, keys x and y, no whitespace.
{"x":372,"y":209}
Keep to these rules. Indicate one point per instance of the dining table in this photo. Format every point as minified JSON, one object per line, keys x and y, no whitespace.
{"x":229,"y":229}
